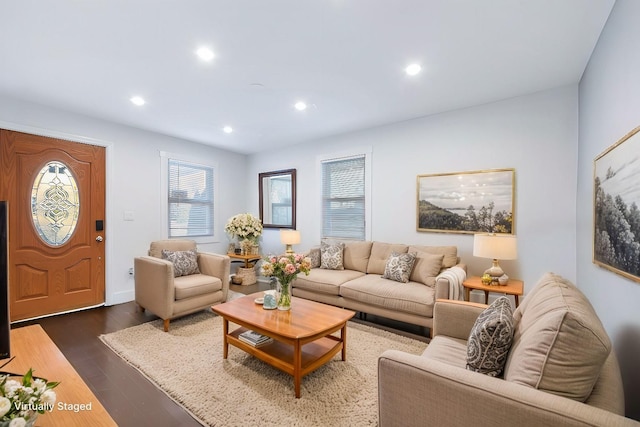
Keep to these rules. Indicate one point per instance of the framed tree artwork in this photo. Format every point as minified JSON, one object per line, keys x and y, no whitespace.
{"x":616,"y":196}
{"x":466,"y":202}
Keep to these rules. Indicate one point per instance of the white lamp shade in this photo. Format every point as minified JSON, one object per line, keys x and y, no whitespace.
{"x":289,"y":237}
{"x":495,"y":246}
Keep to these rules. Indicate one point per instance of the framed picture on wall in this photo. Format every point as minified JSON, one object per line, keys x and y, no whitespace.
{"x":466,"y":202}
{"x":616,"y":215}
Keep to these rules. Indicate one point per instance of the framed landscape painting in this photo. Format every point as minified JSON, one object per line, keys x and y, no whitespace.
{"x":616,"y":216}
{"x":467,"y":202}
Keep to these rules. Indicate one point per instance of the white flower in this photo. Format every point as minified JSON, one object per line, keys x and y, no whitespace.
{"x":18,"y":400}
{"x":39,"y":385}
{"x":10,"y":387}
{"x":49,"y":397}
{"x":5,"y":406}
{"x":17,"y":422}
{"x":244,"y":225}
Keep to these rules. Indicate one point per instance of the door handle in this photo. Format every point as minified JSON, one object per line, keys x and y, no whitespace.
{"x":99,"y":239}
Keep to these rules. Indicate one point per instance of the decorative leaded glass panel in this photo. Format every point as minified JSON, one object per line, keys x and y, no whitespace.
{"x":55,"y":203}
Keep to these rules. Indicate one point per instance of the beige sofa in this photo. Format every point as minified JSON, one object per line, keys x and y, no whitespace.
{"x":360,"y":286}
{"x":560,"y":369}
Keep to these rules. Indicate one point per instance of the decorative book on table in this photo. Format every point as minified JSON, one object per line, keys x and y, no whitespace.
{"x":254,"y":338}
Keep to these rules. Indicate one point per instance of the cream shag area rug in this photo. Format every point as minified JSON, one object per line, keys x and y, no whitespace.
{"x":187,"y":364}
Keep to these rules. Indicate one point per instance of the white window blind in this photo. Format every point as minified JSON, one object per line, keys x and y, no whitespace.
{"x":190,"y":199}
{"x":343,"y":198}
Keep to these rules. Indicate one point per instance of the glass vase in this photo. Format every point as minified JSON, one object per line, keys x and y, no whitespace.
{"x":283,"y":295}
{"x":32,"y":419}
{"x":246,"y":246}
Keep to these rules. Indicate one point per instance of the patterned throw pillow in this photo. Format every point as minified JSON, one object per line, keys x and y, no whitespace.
{"x":314,"y":255}
{"x":399,"y":266}
{"x":331,"y":256}
{"x":184,"y":262}
{"x":490,"y":339}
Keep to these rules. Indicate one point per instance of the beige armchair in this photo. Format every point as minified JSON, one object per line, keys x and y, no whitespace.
{"x":168,"y":297}
{"x":557,"y":339}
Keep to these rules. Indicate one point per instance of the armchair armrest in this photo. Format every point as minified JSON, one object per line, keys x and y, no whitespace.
{"x":154,"y":285}
{"x":216,"y":265}
{"x":442,"y":284}
{"x":416,"y":391}
{"x":454,"y":318}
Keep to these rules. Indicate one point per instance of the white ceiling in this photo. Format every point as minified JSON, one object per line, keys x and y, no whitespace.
{"x":343,"y":57}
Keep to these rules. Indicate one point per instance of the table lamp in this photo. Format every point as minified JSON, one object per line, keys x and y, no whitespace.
{"x":289,"y":238}
{"x":495,"y":246}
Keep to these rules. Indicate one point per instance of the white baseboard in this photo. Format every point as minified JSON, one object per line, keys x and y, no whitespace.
{"x":120,"y":297}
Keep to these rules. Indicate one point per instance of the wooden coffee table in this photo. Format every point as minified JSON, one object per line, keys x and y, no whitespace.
{"x":302,"y":336}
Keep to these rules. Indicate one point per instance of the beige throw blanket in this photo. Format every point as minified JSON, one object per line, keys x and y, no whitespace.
{"x":455,"y":276}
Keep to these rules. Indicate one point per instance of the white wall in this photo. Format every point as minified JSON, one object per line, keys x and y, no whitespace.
{"x":535,"y":134}
{"x":609,"y":106}
{"x":133,"y":181}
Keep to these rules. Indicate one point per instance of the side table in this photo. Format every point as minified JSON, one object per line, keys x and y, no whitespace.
{"x":513,"y":287}
{"x":246,"y":258}
{"x":247,"y":272}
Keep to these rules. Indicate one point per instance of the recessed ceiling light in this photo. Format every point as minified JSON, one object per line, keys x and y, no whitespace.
{"x":413,"y":69}
{"x":205,"y":53}
{"x":300,"y":106}
{"x":137,"y":100}
{"x":227,"y":129}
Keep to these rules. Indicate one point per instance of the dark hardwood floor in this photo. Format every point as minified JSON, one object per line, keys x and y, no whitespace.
{"x":127,"y":395}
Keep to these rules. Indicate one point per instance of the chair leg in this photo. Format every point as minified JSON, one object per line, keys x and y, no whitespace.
{"x":166,"y":325}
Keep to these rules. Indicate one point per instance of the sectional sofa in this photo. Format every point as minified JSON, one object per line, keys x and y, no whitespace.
{"x":359,"y":283}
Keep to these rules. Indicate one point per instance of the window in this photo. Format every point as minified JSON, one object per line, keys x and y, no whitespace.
{"x":190,"y":199}
{"x":55,"y":203}
{"x":344,"y":197}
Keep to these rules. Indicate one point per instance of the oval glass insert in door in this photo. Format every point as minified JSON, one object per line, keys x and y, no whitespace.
{"x":55,"y":203}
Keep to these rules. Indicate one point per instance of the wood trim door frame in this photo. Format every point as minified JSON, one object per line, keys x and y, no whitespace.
{"x":110,"y":298}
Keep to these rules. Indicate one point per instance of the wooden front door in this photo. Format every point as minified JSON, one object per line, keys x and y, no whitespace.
{"x":56,"y":194}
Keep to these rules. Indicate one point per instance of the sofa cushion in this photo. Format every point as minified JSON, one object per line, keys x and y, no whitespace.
{"x":426,"y":267}
{"x":184,"y":262}
{"x":155,"y":249}
{"x":399,"y":266}
{"x":356,"y":255}
{"x":559,"y":343}
{"x":314,"y":256}
{"x":449,"y":350}
{"x":331,"y":256}
{"x":491,"y":338}
{"x":372,"y":289}
{"x":380,"y":253}
{"x":450,"y":253}
{"x":195,"y":285}
{"x":325,"y":281}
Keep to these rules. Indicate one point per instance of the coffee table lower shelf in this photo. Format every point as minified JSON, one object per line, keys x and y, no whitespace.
{"x":281,"y":355}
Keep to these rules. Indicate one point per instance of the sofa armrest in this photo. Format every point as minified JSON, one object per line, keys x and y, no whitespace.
{"x":216,"y":265}
{"x":454,"y":318}
{"x":442,"y":284}
{"x":154,"y":287}
{"x":413,"y":389}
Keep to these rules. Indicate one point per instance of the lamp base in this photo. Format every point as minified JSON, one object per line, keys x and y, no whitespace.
{"x":495,"y":272}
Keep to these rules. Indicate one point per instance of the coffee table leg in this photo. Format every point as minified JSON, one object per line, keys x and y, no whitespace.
{"x":297,"y":367}
{"x":343,"y":337}
{"x":225,"y":343}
